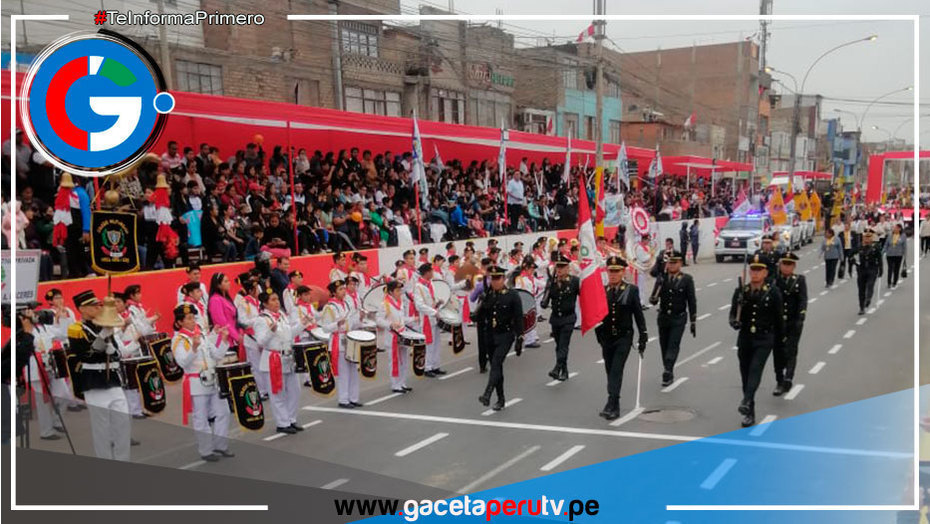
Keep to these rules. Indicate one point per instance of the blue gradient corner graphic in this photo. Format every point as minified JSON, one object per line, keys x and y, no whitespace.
{"x":856,"y":454}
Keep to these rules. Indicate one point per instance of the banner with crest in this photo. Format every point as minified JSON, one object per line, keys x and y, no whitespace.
{"x":113,"y":242}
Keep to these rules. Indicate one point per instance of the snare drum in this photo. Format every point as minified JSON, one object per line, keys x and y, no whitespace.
{"x":319,"y":334}
{"x":447,"y":318}
{"x":128,"y":370}
{"x":300,"y":355}
{"x":356,"y":340}
{"x":528,"y":302}
{"x":368,"y":325}
{"x":410,"y":338}
{"x":228,"y":371}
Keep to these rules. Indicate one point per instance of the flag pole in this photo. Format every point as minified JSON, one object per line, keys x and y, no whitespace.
{"x":416,"y":196}
{"x":290,"y":171}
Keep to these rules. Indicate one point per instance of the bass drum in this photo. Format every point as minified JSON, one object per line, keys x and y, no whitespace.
{"x":528,"y":304}
{"x":441,"y":291}
{"x":374,"y":298}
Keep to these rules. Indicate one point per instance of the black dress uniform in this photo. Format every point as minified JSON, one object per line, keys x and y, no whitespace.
{"x":561,"y":295}
{"x":677,"y":304}
{"x":793,"y":290}
{"x":615,"y":335}
{"x":769,"y":258}
{"x":760,"y":324}
{"x":870,"y":268}
{"x":501,"y":314}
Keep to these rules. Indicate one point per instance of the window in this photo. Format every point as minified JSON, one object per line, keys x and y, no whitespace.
{"x":614,"y":132}
{"x":372,"y":101}
{"x":447,"y":106}
{"x":361,"y":39}
{"x":613,"y":89}
{"x":569,"y":77}
{"x":571,"y":125}
{"x":589,"y":128}
{"x":199,"y":78}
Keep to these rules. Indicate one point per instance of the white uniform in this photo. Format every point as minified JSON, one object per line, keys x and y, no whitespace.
{"x":201,"y":316}
{"x":425,"y":302}
{"x":289,"y":299}
{"x":527,"y":282}
{"x":203,"y":294}
{"x":392,"y":313}
{"x":335,"y":320}
{"x":48,"y":420}
{"x":365,"y":283}
{"x":139,"y":319}
{"x":277,"y":346}
{"x":204,"y":399}
{"x":409,"y":277}
{"x":304,"y":312}
{"x":58,"y":332}
{"x":248,"y":309}
{"x":129,"y":346}
{"x":337,"y":273}
{"x":458,"y":291}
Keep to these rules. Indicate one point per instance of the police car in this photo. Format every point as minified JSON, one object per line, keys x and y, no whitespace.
{"x":741,"y":236}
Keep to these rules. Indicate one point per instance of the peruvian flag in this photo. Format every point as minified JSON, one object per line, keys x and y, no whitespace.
{"x":689,"y":122}
{"x":587,"y":33}
{"x":549,"y":125}
{"x":742,"y":203}
{"x":593,"y":298}
{"x":601,"y":210}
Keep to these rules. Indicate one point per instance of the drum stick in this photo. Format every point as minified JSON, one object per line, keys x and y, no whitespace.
{"x":639,"y":380}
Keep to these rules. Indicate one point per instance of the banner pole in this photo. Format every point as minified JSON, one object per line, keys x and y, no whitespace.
{"x":290,"y":170}
{"x":416,"y":196}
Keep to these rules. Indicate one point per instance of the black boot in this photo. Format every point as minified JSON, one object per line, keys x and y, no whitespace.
{"x":555,"y":371}
{"x":612,"y":410}
{"x":780,"y":388}
{"x":667,"y":378}
{"x":563,"y":373}
{"x":485,"y":399}
{"x":499,"y":405}
{"x":745,"y":406}
{"x":788,"y":383}
{"x":749,"y":418}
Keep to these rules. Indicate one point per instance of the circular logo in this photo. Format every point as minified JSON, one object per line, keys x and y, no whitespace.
{"x":94,"y":103}
{"x":640,"y":220}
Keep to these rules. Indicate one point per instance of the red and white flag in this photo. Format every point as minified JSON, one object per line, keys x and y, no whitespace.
{"x":689,"y":122}
{"x":549,"y":125}
{"x":592,"y":297}
{"x":742,"y":203}
{"x":587,"y":33}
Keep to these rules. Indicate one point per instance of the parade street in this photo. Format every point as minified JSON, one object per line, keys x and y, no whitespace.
{"x":440,"y":436}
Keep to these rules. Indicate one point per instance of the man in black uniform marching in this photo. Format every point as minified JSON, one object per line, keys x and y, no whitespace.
{"x":501,"y":316}
{"x":870,"y":268}
{"x":561,"y":293}
{"x":756,"y":311}
{"x":769,"y":255}
{"x":674,"y":292}
{"x":615,"y":333}
{"x":99,"y":380}
{"x":793,"y":290}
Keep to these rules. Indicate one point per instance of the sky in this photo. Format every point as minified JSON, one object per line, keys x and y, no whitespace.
{"x":863,"y":71}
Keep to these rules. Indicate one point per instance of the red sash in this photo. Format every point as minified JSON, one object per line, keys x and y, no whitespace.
{"x":334,"y":343}
{"x":277,"y":374}
{"x":187,"y":402}
{"x":395,"y":367}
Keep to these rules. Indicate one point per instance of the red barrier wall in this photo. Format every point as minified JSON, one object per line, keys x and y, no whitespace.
{"x":159,"y":288}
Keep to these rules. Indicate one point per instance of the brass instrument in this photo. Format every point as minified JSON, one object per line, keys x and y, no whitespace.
{"x":108,"y":316}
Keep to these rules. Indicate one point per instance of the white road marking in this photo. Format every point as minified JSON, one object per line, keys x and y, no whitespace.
{"x":861,"y":321}
{"x":334,"y":484}
{"x":494,"y":472}
{"x":652,"y":339}
{"x":382,"y":399}
{"x":714,"y":360}
{"x":601,"y":361}
{"x":626,"y":418}
{"x":717,"y":475}
{"x":817,"y":367}
{"x":311,"y":424}
{"x":811,"y":301}
{"x":456,"y":373}
{"x":723,"y":307}
{"x":712,"y":284}
{"x":705,"y":315}
{"x":806,"y":271}
{"x":887,"y":294}
{"x":696,"y":355}
{"x":507,"y":404}
{"x":557,"y":382}
{"x":512,"y":353}
{"x":850,"y":333}
{"x":795,"y":390}
{"x":728,"y":279}
{"x":193,"y":465}
{"x":671,"y":387}
{"x":835,"y":349}
{"x":276,"y":436}
{"x":554,"y":463}
{"x":734,"y":348}
{"x":548,"y":340}
{"x":871,"y":310}
{"x":824,"y":292}
{"x":697,"y":289}
{"x":880,"y":302}
{"x":421,"y":444}
{"x":574,"y":430}
{"x":763,"y":426}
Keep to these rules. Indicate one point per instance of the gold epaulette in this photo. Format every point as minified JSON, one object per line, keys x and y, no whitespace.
{"x":76,"y":330}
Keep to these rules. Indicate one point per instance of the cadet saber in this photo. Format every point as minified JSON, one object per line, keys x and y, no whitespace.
{"x":639,"y":380}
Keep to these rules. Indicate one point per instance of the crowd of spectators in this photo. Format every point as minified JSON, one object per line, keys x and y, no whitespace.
{"x":227,"y":208}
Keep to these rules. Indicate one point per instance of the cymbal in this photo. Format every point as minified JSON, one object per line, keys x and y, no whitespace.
{"x":318,"y":296}
{"x":466,"y":271}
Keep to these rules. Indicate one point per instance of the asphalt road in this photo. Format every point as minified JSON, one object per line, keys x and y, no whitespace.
{"x":439,"y":436}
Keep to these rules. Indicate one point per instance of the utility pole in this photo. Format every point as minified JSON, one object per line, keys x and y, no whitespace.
{"x":337,"y":56}
{"x":163,"y":48}
{"x":599,"y":35}
{"x":765,"y":8}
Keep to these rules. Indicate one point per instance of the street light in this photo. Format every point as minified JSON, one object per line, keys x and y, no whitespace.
{"x":854,"y":115}
{"x":908,"y":88}
{"x":890,"y":136}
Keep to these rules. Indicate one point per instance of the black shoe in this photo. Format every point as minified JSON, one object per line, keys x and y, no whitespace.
{"x":667,"y":378}
{"x":563,"y":373}
{"x":533,"y":345}
{"x":555,"y":372}
{"x":74,"y":409}
{"x":53,"y":436}
{"x":134,"y":442}
{"x":347,"y":405}
{"x":499,"y":405}
{"x":485,"y":399}
{"x":745,"y":407}
{"x":224,"y":453}
{"x":308,"y":384}
{"x":407,"y":390}
{"x":286,"y":429}
{"x":439,"y":371}
{"x":603,"y":412}
{"x":780,"y":389}
{"x":60,"y":429}
{"x":265,"y":396}
{"x":382,"y":351}
{"x":861,"y":311}
{"x":139,"y":417}
{"x":399,"y":390}
{"x":483,"y":368}
{"x":295,"y":427}
{"x":210,"y":458}
{"x":357,"y":404}
{"x":749,"y":420}
{"x":430,"y":373}
{"x":788,"y":383}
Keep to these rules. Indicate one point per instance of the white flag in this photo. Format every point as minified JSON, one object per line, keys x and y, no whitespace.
{"x":566,"y":174}
{"x":655,"y":168}
{"x":439,"y":163}
{"x":418,"y":173}
{"x":502,"y":156}
{"x":623,"y":174}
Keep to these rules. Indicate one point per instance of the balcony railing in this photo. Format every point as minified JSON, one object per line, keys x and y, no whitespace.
{"x":371,"y":63}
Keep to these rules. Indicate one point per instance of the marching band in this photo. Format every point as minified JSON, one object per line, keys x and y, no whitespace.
{"x":271,"y":343}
